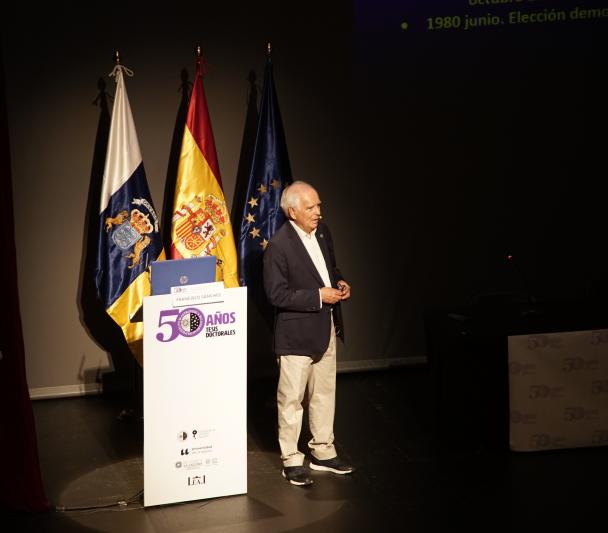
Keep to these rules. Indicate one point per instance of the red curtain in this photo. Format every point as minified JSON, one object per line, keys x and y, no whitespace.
{"x":21,"y":487}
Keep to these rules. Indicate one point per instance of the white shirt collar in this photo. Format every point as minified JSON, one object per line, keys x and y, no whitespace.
{"x":301,"y":232}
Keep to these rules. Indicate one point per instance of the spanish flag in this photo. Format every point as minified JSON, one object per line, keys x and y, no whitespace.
{"x":129,"y":237}
{"x":201,"y":224}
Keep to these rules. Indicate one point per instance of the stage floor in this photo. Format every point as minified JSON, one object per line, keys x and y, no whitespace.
{"x":407,"y":480}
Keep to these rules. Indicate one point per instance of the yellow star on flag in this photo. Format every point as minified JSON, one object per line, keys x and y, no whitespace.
{"x":255,"y":232}
{"x":262,"y":189}
{"x":264,"y":243}
{"x":250,"y":218}
{"x":275,"y":184}
{"x":253,"y":202}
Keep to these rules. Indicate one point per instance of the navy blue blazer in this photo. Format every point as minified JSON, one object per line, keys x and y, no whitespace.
{"x":292,"y":282}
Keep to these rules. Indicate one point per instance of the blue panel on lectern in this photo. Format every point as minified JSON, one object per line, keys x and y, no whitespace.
{"x":176,"y":272}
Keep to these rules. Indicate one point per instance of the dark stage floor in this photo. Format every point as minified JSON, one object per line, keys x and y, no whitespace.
{"x":407,"y":480}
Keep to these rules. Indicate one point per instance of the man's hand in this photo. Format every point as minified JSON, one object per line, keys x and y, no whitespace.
{"x":330,"y":295}
{"x":344,"y":289}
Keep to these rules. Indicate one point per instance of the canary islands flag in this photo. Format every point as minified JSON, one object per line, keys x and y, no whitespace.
{"x":270,"y":173}
{"x":201,"y":224}
{"x":129,"y":237}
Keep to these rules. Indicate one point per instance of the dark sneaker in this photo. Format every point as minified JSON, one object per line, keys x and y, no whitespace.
{"x":335,"y":465}
{"x":297,"y":475}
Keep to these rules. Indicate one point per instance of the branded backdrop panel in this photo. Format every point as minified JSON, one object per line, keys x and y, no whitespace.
{"x":195,"y":398}
{"x":558,"y":387}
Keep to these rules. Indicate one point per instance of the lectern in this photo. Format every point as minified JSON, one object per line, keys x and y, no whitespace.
{"x":195,"y":394}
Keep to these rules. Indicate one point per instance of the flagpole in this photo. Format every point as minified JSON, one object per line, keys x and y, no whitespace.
{"x":136,"y":409}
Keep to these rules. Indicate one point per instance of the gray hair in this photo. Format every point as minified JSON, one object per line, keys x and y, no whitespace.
{"x":291,"y":195}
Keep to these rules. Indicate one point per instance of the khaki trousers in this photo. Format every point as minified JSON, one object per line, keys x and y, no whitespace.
{"x":296,"y":373}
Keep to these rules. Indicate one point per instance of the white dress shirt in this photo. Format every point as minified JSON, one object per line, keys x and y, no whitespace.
{"x":314,"y":251}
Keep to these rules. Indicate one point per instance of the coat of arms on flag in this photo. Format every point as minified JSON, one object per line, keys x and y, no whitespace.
{"x":200,"y":225}
{"x":132,"y":230}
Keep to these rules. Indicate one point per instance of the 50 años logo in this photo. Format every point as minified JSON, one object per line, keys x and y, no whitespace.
{"x":189,"y":322}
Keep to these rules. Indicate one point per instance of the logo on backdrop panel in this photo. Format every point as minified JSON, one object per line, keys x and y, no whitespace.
{"x":576,"y":363}
{"x":542,"y":390}
{"x":579,"y":413}
{"x":517,"y":368}
{"x":519,"y":417}
{"x":539,"y":441}
{"x":544,"y":341}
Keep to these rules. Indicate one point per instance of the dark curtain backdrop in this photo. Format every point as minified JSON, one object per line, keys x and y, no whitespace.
{"x":487,"y":142}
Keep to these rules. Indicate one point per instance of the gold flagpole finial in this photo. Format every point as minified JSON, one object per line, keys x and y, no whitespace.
{"x":200,"y":67}
{"x":117,"y":57}
{"x":269,"y":48}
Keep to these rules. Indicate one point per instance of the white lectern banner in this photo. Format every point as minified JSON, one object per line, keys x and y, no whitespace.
{"x":195,"y":399}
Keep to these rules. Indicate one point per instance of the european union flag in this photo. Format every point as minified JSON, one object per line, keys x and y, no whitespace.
{"x":270,"y":173}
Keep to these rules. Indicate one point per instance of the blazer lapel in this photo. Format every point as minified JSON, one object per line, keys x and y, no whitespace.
{"x":325,"y":251}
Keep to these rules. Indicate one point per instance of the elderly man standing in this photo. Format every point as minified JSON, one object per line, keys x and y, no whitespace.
{"x":304,"y":285}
